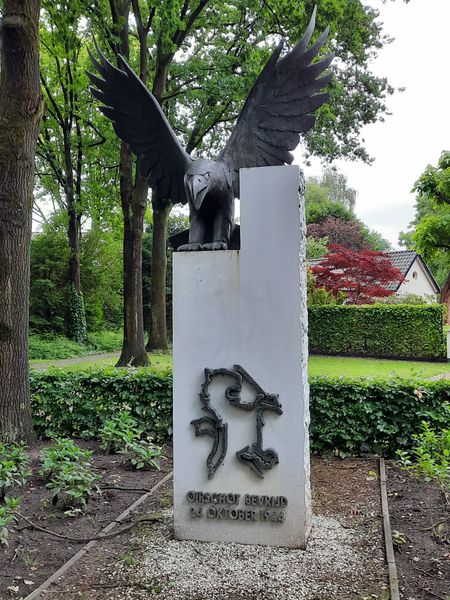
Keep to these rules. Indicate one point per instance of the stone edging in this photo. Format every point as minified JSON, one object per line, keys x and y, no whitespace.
{"x":390,"y":558}
{"x":76,"y":557}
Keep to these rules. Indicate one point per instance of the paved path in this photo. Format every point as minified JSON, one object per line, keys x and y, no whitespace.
{"x":66,"y":362}
{"x":438,"y":377}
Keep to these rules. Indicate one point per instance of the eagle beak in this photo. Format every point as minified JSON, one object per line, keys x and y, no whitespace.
{"x":198,"y":188}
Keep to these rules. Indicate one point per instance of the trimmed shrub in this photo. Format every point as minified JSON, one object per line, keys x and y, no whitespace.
{"x":380,"y":330}
{"x":348,"y":416}
{"x":78,"y":403}
{"x":355,"y":416}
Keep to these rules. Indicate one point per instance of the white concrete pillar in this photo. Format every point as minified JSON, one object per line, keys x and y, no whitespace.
{"x":245,"y":308}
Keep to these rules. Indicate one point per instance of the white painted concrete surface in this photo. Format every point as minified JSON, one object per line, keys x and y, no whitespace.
{"x":246,"y":307}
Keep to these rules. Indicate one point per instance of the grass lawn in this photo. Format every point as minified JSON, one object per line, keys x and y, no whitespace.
{"x":158,"y":362}
{"x":337,"y":366}
{"x":332,"y":366}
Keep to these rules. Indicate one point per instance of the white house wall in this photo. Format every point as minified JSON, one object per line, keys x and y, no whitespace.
{"x":420,"y":284}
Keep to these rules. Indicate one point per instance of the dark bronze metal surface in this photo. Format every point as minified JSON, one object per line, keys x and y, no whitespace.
{"x":255,"y":456}
{"x":278,"y":109}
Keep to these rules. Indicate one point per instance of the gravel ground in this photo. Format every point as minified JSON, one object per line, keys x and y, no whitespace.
{"x":331,"y":567}
{"x":344,"y":559}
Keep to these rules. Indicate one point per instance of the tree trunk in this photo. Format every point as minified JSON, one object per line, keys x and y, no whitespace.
{"x":77,"y":313}
{"x":158,"y":332}
{"x":161,"y":210}
{"x":445,"y":297}
{"x":20,"y":113}
{"x":134,"y":203}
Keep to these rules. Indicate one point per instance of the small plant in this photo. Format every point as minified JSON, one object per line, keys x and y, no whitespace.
{"x":7,"y":517}
{"x":72,"y":484}
{"x":119,"y":432}
{"x":430,"y":457}
{"x":62,"y":451}
{"x":14,"y":464}
{"x":67,"y":467}
{"x":144,"y":454}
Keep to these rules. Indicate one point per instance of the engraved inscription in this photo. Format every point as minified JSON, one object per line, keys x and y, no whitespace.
{"x":225,"y":506}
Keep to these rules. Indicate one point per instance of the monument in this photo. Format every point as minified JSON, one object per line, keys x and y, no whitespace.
{"x":241,"y":454}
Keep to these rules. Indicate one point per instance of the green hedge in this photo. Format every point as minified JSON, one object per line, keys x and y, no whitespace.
{"x":348,"y":416}
{"x":77,"y":403}
{"x":354,"y":416}
{"x":382,"y":330}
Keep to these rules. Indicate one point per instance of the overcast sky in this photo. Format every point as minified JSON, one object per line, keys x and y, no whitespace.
{"x":419,"y":127}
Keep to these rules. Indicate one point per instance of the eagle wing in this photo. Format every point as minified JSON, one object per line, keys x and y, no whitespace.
{"x":278,"y":108}
{"x":139,"y":121}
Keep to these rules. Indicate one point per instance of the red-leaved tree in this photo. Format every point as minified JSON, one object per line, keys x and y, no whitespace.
{"x":363,"y":276}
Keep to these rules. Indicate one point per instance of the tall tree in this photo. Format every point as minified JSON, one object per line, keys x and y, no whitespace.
{"x":20,"y":113}
{"x":133,"y":186}
{"x":338,"y":231}
{"x":68,"y":163}
{"x":352,"y":234}
{"x":332,"y":186}
{"x":430,"y":231}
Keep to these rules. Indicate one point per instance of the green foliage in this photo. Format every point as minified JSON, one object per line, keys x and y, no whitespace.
{"x":77,"y":317}
{"x":102,"y":278}
{"x":410,"y":299}
{"x":62,"y":450}
{"x":320,"y":296}
{"x":119,"y":431}
{"x":78,"y":403}
{"x":402,"y":331}
{"x":105,"y":341}
{"x":430,"y":455}
{"x":435,"y":181}
{"x":48,"y":346}
{"x":316,"y":247}
{"x":101,"y":268}
{"x":317,"y":213}
{"x":332,"y":186}
{"x":49,"y":280}
{"x":429,"y":232}
{"x":349,"y":416}
{"x":51,"y":346}
{"x":144,"y":454}
{"x":14,"y":463}
{"x":122,"y":434}
{"x":354,"y":416}
{"x":14,"y":471}
{"x":7,"y":517}
{"x":68,"y":471}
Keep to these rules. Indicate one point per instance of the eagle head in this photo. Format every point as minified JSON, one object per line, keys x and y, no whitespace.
{"x":200,"y":179}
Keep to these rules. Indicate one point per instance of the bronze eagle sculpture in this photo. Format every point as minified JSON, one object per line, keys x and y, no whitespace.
{"x":278,"y":109}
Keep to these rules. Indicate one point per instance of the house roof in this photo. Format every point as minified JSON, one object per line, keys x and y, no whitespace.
{"x":403,"y":260}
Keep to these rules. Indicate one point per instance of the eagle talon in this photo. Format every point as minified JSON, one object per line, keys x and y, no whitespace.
{"x":189,"y":247}
{"x":215,"y":246}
